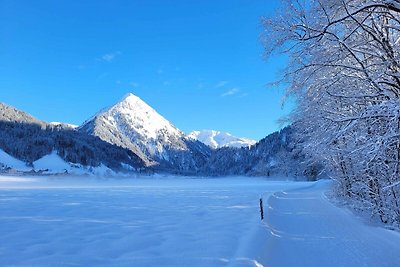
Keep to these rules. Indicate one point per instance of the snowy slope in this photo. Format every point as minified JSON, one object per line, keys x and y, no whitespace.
{"x":8,"y":161}
{"x":54,"y":164}
{"x":216,"y":139}
{"x":133,"y":124}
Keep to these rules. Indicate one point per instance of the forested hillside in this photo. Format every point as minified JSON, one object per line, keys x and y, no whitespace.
{"x":28,"y":139}
{"x":279,"y":153}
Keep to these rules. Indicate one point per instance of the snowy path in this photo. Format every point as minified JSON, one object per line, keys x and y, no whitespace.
{"x":183,"y":222}
{"x":305,"y":229}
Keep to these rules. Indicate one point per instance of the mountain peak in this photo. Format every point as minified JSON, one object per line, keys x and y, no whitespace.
{"x":133,"y":124}
{"x":132,"y":112}
{"x":130,"y":97}
{"x":133,"y":101}
{"x":217,"y":139}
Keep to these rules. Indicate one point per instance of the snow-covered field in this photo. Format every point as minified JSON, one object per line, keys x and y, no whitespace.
{"x":182,"y":222}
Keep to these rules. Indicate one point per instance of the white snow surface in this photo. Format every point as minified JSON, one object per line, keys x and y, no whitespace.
{"x":183,"y":222}
{"x":7,"y":160}
{"x":54,"y":164}
{"x":217,"y":139}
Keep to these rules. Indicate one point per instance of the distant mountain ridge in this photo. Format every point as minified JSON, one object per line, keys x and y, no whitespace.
{"x":278,"y":154}
{"x":217,"y":139}
{"x":130,"y":136}
{"x":11,"y":114}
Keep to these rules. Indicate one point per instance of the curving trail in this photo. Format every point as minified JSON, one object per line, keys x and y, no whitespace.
{"x":304,"y":229}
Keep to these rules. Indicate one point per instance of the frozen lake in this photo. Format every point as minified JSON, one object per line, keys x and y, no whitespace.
{"x":183,"y":222}
{"x":173,"y":222}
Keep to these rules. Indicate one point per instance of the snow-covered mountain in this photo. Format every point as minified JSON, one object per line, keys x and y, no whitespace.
{"x":216,"y":139}
{"x":24,"y":140}
{"x":63,"y":125}
{"x":133,"y":124}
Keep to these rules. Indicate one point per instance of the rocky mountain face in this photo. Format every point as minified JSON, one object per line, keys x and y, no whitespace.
{"x":13,"y":115}
{"x":217,"y":139}
{"x":134,"y":125}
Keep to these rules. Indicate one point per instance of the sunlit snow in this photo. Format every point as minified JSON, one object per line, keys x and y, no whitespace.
{"x":217,"y":139}
{"x":7,"y":161}
{"x":182,"y":222}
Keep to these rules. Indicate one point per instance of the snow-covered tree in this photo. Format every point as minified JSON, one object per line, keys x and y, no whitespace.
{"x":344,"y":71}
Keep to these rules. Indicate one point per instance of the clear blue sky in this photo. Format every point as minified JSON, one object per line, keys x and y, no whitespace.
{"x":198,"y":63}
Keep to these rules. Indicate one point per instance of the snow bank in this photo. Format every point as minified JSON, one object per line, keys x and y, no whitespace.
{"x":54,"y":164}
{"x":8,"y":161}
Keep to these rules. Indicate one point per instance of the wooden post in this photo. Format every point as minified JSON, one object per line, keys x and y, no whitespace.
{"x":261,"y":209}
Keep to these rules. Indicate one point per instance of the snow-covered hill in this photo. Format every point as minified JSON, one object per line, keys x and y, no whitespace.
{"x":49,"y":164}
{"x":133,"y":124}
{"x":216,"y":139}
{"x":8,"y":161}
{"x":54,"y":164}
